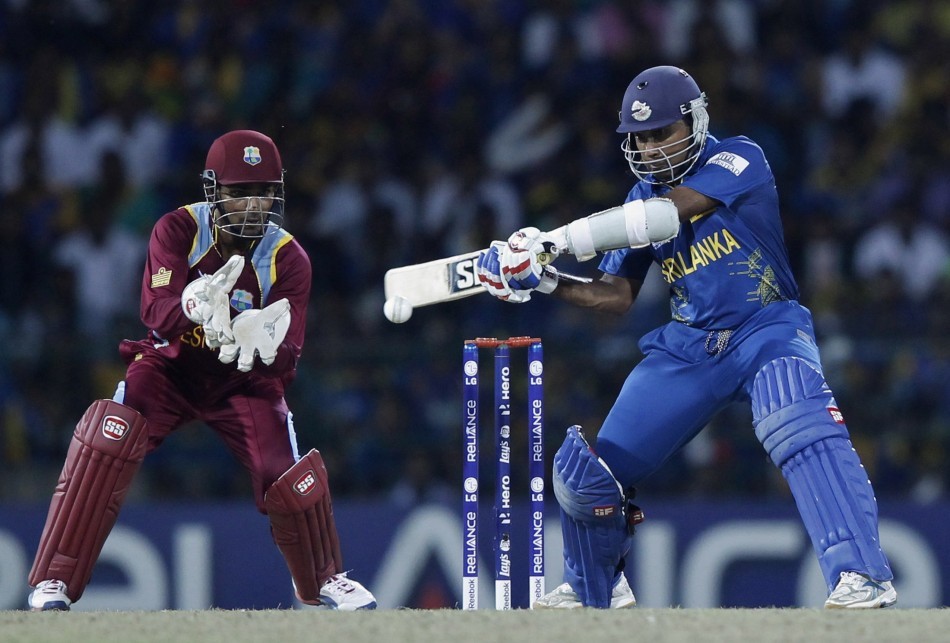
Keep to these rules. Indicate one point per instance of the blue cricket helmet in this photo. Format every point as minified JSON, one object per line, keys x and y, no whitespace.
{"x":658,"y":97}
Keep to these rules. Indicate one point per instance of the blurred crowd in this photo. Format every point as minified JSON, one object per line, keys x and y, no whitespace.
{"x":416,"y":129}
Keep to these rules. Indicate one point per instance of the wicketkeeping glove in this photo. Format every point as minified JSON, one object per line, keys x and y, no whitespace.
{"x":257,"y":333}
{"x":206,"y":301}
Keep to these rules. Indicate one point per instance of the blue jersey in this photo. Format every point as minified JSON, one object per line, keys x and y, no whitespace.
{"x":726,"y":264}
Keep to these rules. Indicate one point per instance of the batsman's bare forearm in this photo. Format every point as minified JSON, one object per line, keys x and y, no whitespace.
{"x":690,"y":203}
{"x":607,"y":294}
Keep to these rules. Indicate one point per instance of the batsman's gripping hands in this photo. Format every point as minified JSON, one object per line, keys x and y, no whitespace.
{"x":205,"y":302}
{"x":257,"y":333}
{"x":512,"y":270}
{"x":525,"y":258}
{"x":493,"y":279}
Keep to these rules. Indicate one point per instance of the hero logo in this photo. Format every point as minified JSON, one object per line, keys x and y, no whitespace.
{"x":305,"y":483}
{"x":462,"y":275}
{"x":114,"y":427}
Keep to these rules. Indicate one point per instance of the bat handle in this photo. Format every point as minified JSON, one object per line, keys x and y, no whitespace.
{"x":551,"y":252}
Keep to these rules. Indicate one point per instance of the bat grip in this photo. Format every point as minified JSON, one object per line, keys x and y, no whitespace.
{"x":549,"y":254}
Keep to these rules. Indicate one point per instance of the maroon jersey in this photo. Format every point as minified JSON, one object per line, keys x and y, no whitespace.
{"x":180,"y":250}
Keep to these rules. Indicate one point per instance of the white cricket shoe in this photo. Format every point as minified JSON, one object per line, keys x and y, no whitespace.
{"x":344,"y":594}
{"x":49,"y":595}
{"x":857,"y":591}
{"x":565,"y":598}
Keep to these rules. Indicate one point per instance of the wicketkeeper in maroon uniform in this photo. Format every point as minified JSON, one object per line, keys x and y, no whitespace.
{"x":224,"y":297}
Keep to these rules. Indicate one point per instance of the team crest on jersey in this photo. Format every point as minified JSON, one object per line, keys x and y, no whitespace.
{"x":640,"y":111}
{"x":252,"y":155}
{"x":241,"y":300}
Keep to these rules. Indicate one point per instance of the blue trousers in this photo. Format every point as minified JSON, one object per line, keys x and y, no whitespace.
{"x":682,"y":383}
{"x":772,"y":361}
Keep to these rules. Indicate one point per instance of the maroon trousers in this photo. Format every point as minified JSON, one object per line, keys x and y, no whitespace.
{"x":251,"y":419}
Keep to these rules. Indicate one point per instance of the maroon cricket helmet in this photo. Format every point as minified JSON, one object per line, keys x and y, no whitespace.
{"x":240,"y":157}
{"x":244,"y":156}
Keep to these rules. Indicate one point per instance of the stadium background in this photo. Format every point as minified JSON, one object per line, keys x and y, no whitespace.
{"x":415,"y":129}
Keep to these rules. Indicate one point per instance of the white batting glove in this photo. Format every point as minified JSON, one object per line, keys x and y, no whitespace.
{"x":492,"y":278}
{"x":521,"y":261}
{"x":257,"y":333}
{"x":206,"y":301}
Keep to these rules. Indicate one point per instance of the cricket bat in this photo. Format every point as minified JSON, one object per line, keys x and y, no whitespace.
{"x":441,"y":280}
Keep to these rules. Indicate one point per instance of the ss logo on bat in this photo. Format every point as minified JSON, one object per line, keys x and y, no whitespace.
{"x":462,"y":275}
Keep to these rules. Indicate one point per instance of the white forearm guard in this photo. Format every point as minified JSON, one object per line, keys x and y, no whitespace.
{"x":631,"y":225}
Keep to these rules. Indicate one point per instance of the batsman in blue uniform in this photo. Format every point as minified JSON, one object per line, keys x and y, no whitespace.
{"x":707,"y":212}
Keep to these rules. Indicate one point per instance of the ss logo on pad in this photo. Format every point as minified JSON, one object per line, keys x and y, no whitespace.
{"x":114,"y":428}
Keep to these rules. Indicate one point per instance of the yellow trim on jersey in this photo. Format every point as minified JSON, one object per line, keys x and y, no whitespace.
{"x":204,"y":236}
{"x":194,"y":242}
{"x":273,"y":264}
{"x":697,"y":217}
